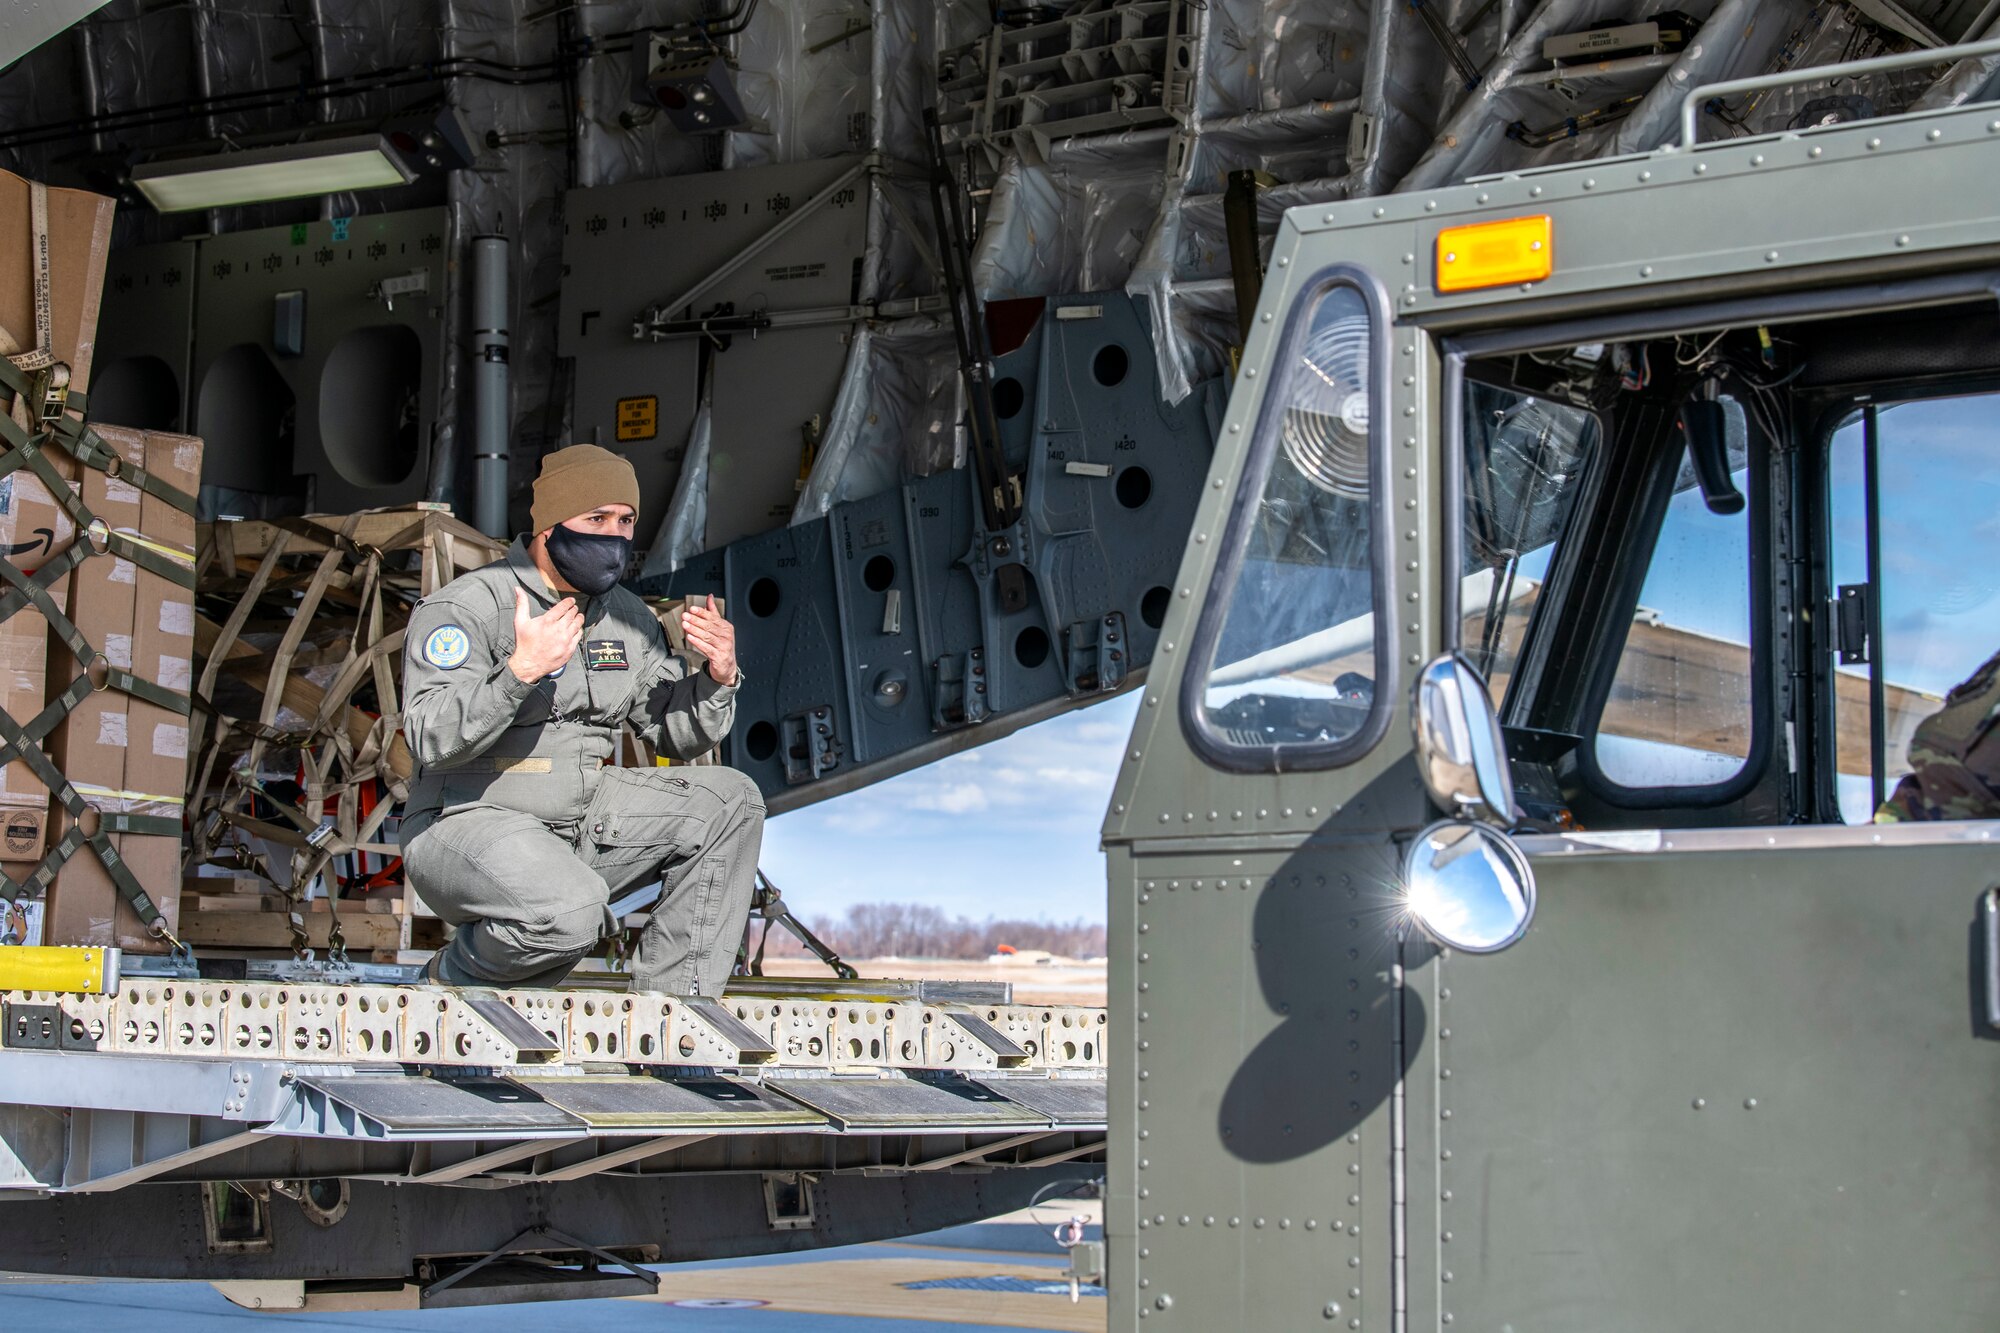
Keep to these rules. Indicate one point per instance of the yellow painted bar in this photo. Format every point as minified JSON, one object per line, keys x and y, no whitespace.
{"x":57,"y":968}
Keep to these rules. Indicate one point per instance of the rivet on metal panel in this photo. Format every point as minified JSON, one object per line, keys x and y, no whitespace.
{"x":1166,"y":819}
{"x":1535,"y":193}
{"x":1250,"y":374}
{"x":1312,"y":1224}
{"x":1284,"y":1224}
{"x":1430,"y":205}
{"x":1902,"y":240}
{"x":1701,"y":168}
{"x":1590,"y":182}
{"x":1700,"y":1103}
{"x":1645,"y":175}
{"x":1815,"y":151}
{"x":1445,"y":1237}
{"x":1383,"y":212}
{"x":1749,"y":1103}
{"x":1411,"y":259}
{"x":1757,"y":160}
{"x":1646,"y":271}
{"x":1333,"y":1309}
{"x":1874,"y":143}
{"x":1444,"y":1155}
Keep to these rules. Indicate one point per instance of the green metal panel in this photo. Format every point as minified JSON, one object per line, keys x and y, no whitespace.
{"x":1251,"y":1182}
{"x":1717,"y":1089}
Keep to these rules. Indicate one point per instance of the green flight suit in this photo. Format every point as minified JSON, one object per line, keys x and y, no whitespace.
{"x":1954,"y":757}
{"x":515,"y":830}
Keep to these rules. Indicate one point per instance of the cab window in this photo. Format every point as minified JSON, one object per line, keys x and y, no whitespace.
{"x":1289,"y":657}
{"x":1922,"y":479}
{"x":1525,"y":460}
{"x":1679,"y":710}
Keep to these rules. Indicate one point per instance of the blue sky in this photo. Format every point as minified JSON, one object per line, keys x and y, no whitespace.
{"x":1006,"y":830}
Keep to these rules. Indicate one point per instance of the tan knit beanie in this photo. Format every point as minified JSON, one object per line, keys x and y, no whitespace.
{"x":579,"y":479}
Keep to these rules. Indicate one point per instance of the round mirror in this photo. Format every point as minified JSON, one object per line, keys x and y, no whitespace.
{"x":1468,"y":886}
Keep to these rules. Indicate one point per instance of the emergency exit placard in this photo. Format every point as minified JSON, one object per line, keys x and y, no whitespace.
{"x":638,"y":418}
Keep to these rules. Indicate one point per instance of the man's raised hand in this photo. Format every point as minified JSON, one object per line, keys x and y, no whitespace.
{"x":714,"y":638}
{"x":543,"y":644}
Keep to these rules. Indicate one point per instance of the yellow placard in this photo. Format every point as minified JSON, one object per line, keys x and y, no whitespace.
{"x":638,"y":418}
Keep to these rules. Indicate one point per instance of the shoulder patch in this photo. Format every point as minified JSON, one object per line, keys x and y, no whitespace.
{"x":447,"y":647}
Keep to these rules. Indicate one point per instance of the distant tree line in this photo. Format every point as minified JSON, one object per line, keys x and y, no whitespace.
{"x":916,"y":930}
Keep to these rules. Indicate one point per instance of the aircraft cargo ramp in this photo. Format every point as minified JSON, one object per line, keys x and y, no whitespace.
{"x":784,"y":1120}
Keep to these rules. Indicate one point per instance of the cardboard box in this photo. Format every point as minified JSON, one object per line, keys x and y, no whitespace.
{"x":123,"y":754}
{"x":33,"y":530}
{"x":78,"y":239}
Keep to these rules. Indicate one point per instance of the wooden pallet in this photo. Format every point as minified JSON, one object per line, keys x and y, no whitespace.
{"x":243,"y":914}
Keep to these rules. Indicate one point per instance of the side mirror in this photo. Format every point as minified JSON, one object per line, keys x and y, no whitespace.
{"x":1461,"y":754}
{"x":1468,"y":886}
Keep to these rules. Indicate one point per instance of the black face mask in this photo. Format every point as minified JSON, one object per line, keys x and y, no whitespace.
{"x":589,"y":562}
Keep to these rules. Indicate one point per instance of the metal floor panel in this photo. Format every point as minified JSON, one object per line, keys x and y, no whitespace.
{"x":637,"y":1102}
{"x":405,"y":1106}
{"x":903,"y":1103}
{"x":1073,"y":1103}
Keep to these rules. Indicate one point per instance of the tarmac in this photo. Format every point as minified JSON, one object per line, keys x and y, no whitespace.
{"x":983,"y":1278}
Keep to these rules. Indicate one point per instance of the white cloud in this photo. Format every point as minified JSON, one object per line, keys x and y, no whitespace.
{"x":959,"y":798}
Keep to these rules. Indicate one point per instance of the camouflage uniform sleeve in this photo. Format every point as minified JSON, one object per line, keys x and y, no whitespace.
{"x":682,"y":715}
{"x":458,"y":692}
{"x":1954,"y":757}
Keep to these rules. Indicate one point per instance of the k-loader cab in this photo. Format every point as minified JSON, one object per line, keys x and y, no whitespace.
{"x":1502,"y":927}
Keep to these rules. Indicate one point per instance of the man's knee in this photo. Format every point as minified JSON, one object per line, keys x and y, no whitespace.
{"x":507,"y":950}
{"x":736,"y":789}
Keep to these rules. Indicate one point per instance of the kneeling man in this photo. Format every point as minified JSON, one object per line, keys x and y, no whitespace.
{"x":516,"y":680}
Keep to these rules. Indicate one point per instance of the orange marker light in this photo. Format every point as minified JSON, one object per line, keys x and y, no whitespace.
{"x":1489,"y":254}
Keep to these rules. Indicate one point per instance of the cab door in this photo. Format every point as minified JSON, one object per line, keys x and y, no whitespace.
{"x":1741,"y":1073}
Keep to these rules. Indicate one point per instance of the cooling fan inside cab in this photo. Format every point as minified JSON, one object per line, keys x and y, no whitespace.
{"x":1324,"y":429}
